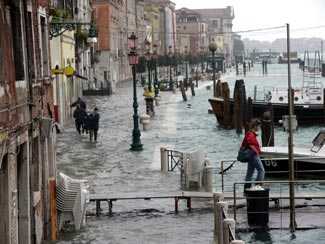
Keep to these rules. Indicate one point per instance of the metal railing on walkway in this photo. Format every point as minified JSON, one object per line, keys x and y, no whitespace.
{"x":171,"y":158}
{"x":281,"y":194}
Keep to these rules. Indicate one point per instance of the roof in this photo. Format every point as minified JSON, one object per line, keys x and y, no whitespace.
{"x":227,"y":12}
{"x":167,"y":2}
{"x":186,"y":11}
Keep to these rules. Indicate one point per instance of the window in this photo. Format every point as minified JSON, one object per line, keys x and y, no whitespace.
{"x":184,"y":27}
{"x":215,"y":23}
{"x":16,"y":34}
{"x":106,"y":75}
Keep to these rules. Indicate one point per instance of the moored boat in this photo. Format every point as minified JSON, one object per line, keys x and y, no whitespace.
{"x":307,"y":160}
{"x":309,"y":103}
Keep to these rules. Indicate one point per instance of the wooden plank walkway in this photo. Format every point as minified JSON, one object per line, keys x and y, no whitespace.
{"x":188,"y":196}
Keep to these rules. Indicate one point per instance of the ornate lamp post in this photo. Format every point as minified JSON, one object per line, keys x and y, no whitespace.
{"x":148,"y":59}
{"x":213,"y":48}
{"x":170,"y":56}
{"x":155,"y":59}
{"x":186,"y":67}
{"x":176,"y":57}
{"x":202,"y":59}
{"x":133,"y":61}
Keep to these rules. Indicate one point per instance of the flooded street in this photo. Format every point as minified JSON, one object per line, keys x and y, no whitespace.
{"x":112,"y":169}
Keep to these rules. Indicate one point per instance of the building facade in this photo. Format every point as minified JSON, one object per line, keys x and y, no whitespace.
{"x":220,"y":25}
{"x":116,"y":20}
{"x":27,"y":137}
{"x":70,"y":51}
{"x":160,"y":15}
{"x":191,"y":31}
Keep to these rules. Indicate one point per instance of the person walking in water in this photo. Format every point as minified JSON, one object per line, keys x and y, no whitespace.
{"x":81,"y":104}
{"x":78,"y":116}
{"x":250,"y":143}
{"x":93,"y":120}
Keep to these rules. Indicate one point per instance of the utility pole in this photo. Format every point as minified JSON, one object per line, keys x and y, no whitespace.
{"x":290,"y":140}
{"x":321,"y":51}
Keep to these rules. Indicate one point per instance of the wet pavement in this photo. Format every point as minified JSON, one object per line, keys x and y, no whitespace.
{"x":112,"y":168}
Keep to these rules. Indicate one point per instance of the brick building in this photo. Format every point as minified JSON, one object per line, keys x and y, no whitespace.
{"x":116,"y":20}
{"x":27,"y":138}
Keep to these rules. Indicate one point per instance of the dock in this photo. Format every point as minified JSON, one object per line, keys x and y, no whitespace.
{"x":189,"y":195}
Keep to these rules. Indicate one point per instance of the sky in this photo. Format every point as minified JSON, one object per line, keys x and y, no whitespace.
{"x":252,"y":14}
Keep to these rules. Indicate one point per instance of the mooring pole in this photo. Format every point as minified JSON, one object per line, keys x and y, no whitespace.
{"x":290,"y":141}
{"x":321,"y":51}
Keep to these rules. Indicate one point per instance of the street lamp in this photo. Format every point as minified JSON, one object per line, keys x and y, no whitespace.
{"x":202,"y":59}
{"x":176,"y":56}
{"x":186,"y":68}
{"x":133,"y":61}
{"x":213,"y":48}
{"x":148,"y":59}
{"x":170,"y":55}
{"x":155,"y":59}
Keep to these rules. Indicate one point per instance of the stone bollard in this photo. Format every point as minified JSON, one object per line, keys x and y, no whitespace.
{"x":208,"y":178}
{"x":228,"y":224}
{"x":237,"y":242}
{"x":164,"y":159}
{"x":146,"y":125}
{"x":157,"y":100}
{"x":145,"y":121}
{"x":219,"y":207}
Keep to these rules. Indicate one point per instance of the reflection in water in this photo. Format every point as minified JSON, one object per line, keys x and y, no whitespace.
{"x":261,"y":236}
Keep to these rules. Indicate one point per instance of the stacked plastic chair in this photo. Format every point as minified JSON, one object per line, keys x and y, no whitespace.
{"x":193,"y":167}
{"x":72,"y":197}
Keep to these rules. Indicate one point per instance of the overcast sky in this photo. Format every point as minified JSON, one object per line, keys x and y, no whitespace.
{"x":251,"y":14}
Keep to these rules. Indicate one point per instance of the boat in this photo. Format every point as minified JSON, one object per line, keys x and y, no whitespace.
{"x":307,"y":159}
{"x":293,"y":56}
{"x":309,"y":105}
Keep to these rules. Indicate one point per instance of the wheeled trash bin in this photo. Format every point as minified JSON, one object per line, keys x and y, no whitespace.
{"x":257,"y":206}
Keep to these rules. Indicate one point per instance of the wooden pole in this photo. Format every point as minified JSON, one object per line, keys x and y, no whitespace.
{"x":220,"y":207}
{"x":290,"y":140}
{"x":267,"y":129}
{"x":53,"y":211}
{"x":183,"y":91}
{"x":217,"y":197}
{"x":228,"y":225}
{"x":227,"y":115}
{"x":255,"y":93}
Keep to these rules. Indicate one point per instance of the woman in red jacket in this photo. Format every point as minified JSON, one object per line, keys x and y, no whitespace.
{"x":250,"y":142}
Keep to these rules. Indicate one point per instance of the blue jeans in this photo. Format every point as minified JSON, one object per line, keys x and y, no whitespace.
{"x":254,"y":163}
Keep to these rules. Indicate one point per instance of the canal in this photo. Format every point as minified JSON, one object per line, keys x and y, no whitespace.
{"x":111,"y":168}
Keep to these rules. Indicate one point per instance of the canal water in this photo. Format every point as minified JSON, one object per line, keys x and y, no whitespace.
{"x":112,"y":169}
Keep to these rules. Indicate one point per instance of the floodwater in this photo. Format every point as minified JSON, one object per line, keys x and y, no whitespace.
{"x":112,"y":169}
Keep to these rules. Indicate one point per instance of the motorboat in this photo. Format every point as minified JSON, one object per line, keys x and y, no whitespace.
{"x":307,"y":159}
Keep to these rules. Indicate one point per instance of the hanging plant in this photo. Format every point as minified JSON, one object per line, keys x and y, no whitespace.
{"x":58,"y":13}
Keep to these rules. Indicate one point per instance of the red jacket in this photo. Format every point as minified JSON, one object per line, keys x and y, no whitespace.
{"x":250,"y":141}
